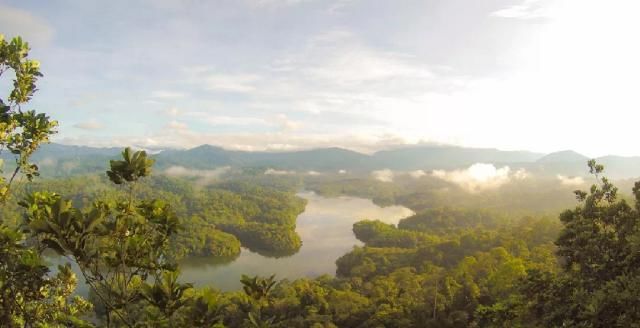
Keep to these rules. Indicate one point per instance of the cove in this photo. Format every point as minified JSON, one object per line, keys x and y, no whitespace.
{"x":326,"y":231}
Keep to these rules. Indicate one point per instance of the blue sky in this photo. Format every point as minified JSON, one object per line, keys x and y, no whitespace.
{"x":361,"y":74}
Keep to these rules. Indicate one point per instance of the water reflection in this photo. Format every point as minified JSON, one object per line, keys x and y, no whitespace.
{"x":325,"y":229}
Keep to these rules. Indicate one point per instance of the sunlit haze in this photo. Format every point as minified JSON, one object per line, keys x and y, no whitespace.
{"x":365,"y":75}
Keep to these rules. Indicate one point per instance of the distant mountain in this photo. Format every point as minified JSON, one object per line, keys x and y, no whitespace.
{"x":63,"y":160}
{"x":408,"y":158}
{"x":571,"y":163}
{"x":60,"y":160}
{"x":567,"y":163}
{"x":565,"y":156}
{"x":201,"y":157}
{"x":54,"y":151}
{"x":206,"y":156}
{"x":448,"y":157}
{"x":620,"y":167}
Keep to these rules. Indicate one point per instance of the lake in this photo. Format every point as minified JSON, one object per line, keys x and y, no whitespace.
{"x":325,"y":228}
{"x":326,"y":231}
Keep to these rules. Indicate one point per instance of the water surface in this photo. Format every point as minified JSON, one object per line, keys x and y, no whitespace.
{"x":326,"y":231}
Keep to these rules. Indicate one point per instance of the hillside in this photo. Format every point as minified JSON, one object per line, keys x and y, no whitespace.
{"x":63,"y":160}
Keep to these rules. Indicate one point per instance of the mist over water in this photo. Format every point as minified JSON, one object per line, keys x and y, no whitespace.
{"x":326,"y":231}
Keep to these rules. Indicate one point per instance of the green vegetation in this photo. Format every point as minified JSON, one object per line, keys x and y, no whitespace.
{"x":266,"y":239}
{"x":215,"y":219}
{"x":499,"y":265}
{"x":29,"y":294}
{"x":118,"y":246}
{"x":378,"y":234}
{"x":538,"y":196}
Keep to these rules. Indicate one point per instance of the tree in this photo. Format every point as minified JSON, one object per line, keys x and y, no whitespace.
{"x":29,"y":295}
{"x":599,"y":248}
{"x":259,"y":292}
{"x":21,"y":132}
{"x":118,"y":245}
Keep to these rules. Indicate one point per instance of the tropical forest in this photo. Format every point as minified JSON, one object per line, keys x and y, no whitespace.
{"x":166,"y":188}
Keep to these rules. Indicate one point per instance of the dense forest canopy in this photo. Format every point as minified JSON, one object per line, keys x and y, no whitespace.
{"x":496,"y":257}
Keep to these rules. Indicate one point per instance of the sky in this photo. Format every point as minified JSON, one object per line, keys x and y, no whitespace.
{"x":539,"y":75}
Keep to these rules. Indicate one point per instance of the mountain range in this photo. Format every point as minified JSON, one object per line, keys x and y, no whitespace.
{"x":59,"y":160}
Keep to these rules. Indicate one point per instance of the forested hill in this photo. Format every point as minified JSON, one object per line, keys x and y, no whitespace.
{"x":62,"y":160}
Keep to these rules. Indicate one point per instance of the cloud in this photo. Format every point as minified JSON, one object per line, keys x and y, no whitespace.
{"x":385,"y":175}
{"x":426,"y":71}
{"x":165,"y":94}
{"x":521,"y":174}
{"x":87,"y":98}
{"x":337,"y":7}
{"x":333,"y":72}
{"x":341,"y":58}
{"x":570,"y":181}
{"x":313,"y":173}
{"x":68,"y":166}
{"x":528,"y":9}
{"x":342,"y":171}
{"x":270,"y":141}
{"x":279,"y":121}
{"x":417,"y":174}
{"x":173,"y":112}
{"x":286,"y":124}
{"x":48,"y":161}
{"x":18,"y":22}
{"x":275,"y":3}
{"x":477,"y":177}
{"x":204,"y":176}
{"x":306,"y":97}
{"x":241,"y":83}
{"x":215,"y":120}
{"x":175,"y":125}
{"x":278,"y":172}
{"x":89,"y":125}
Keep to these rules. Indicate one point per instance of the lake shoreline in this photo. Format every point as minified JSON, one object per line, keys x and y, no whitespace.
{"x":326,"y":231}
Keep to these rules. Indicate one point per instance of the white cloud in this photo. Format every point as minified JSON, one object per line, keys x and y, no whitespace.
{"x":89,"y":125}
{"x":278,"y":172}
{"x":553,"y":82}
{"x":18,"y":22}
{"x":275,"y":3}
{"x":231,"y":120}
{"x":335,"y":72}
{"x":570,"y":181}
{"x":172,"y":111}
{"x":165,"y":94}
{"x":204,"y":176}
{"x":278,"y":141}
{"x":341,"y":58}
{"x":241,"y":83}
{"x":313,"y":173}
{"x":286,"y":124}
{"x":175,"y":125}
{"x":342,"y":171}
{"x":276,"y":147}
{"x":384,"y":80}
{"x":521,"y":174}
{"x":528,"y":9}
{"x":338,"y":6}
{"x":385,"y":175}
{"x":417,"y":174}
{"x":48,"y":161}
{"x":477,"y":177}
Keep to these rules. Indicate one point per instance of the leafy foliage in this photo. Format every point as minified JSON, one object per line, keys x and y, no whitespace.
{"x":21,"y":132}
{"x":118,"y":246}
{"x":599,"y":248}
{"x":29,"y":295}
{"x":442,"y":267}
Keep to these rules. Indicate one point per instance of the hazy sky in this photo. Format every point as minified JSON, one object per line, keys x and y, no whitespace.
{"x":284,"y":74}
